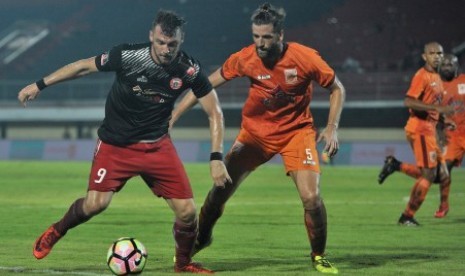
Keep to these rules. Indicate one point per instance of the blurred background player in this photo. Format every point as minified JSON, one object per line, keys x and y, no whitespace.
{"x":276,"y":120}
{"x":454,"y":147}
{"x":425,"y":102}
{"x":134,"y":139}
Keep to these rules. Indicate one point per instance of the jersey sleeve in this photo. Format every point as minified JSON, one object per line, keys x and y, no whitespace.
{"x":232,"y":67}
{"x":417,"y":86}
{"x":201,"y":86}
{"x":320,"y":71}
{"x":109,"y":61}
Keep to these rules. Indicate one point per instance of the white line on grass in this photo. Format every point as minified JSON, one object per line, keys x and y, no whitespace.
{"x":19,"y":269}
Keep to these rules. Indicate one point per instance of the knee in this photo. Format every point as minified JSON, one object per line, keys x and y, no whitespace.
{"x":96,"y":205}
{"x":445,"y":180}
{"x":429,"y":175}
{"x":187,"y":214}
{"x":311,"y":201}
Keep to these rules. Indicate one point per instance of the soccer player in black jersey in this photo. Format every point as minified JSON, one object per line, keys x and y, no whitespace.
{"x":133,"y":138}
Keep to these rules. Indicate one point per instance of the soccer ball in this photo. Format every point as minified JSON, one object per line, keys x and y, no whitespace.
{"x":325,"y":157}
{"x":126,"y":256}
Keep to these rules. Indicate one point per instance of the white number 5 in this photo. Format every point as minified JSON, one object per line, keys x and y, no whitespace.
{"x":101,"y":174}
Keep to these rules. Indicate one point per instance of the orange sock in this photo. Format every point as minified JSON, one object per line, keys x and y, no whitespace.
{"x":410,"y":170}
{"x":417,"y":196}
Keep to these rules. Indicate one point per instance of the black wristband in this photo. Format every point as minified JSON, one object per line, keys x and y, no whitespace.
{"x":41,"y":84}
{"x":216,"y":156}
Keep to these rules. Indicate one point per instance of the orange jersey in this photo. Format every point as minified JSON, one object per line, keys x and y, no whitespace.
{"x":455,"y":93}
{"x":427,"y":87}
{"x":279,"y":98}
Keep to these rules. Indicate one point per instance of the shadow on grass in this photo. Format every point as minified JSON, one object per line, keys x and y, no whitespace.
{"x":300,"y":264}
{"x":360,"y":261}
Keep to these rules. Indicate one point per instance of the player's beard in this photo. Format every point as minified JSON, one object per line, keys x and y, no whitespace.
{"x":447,"y":75}
{"x":165,"y":59}
{"x":272,"y":53}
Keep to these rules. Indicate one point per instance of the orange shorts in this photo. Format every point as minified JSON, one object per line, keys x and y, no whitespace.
{"x":426,"y":150}
{"x":298,"y":150}
{"x":455,"y":149}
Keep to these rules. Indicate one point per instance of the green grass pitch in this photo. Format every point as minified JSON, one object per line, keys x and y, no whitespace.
{"x":261,"y":233}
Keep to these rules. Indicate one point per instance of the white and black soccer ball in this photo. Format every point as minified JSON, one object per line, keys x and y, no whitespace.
{"x":126,"y":256}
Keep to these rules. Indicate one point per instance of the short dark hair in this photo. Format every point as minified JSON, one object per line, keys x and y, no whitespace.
{"x":169,"y":22}
{"x":268,"y":14}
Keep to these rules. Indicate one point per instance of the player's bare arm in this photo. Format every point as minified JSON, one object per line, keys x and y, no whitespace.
{"x":187,"y":102}
{"x":71,"y":71}
{"x":190,"y":100}
{"x":421,"y":106}
{"x":211,"y":105}
{"x":336,"y":102}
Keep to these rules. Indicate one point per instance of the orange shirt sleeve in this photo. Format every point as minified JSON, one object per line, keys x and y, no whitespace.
{"x":319,"y":70}
{"x":417,"y":86}
{"x":232,"y":67}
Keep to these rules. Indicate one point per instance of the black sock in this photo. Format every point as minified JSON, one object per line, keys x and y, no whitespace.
{"x":72,"y":218}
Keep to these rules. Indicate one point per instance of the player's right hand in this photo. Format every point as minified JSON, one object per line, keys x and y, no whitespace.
{"x":219,"y":173}
{"x":28,"y":93}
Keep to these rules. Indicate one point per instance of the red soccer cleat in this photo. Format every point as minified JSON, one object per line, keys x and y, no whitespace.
{"x":45,"y":242}
{"x":440,"y":213}
{"x":193,"y":268}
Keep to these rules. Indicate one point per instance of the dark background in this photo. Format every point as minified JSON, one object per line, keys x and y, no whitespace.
{"x":374,"y":46}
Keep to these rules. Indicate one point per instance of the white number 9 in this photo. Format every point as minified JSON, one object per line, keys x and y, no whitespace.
{"x":101,"y":174}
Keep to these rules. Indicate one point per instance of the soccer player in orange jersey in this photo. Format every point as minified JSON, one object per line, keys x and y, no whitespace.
{"x":454,"y":84}
{"x":454,"y":149}
{"x":424,"y":100}
{"x":276,"y":120}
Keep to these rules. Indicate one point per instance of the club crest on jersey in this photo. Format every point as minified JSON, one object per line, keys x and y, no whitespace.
{"x":290,"y":75}
{"x":461,"y":88}
{"x":175,"y":83}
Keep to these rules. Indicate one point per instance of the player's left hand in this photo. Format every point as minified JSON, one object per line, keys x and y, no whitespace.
{"x":329,"y":134}
{"x":219,"y":173}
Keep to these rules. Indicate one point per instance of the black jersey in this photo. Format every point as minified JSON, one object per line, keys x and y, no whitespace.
{"x":143,"y":94}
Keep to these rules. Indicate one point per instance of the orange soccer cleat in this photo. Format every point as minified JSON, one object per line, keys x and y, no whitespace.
{"x":193,"y":268}
{"x":45,"y":242}
{"x":440,"y":213}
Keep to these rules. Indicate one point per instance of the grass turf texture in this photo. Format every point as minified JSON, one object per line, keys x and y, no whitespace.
{"x":261,"y":233}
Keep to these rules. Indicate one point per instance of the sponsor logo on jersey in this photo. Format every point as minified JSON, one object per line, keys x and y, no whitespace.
{"x":290,"y":75}
{"x":142,"y":79}
{"x":137,"y":89}
{"x":433,"y":84}
{"x":277,"y":98}
{"x":175,"y":83}
{"x":263,"y":77}
{"x":103,"y":59}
